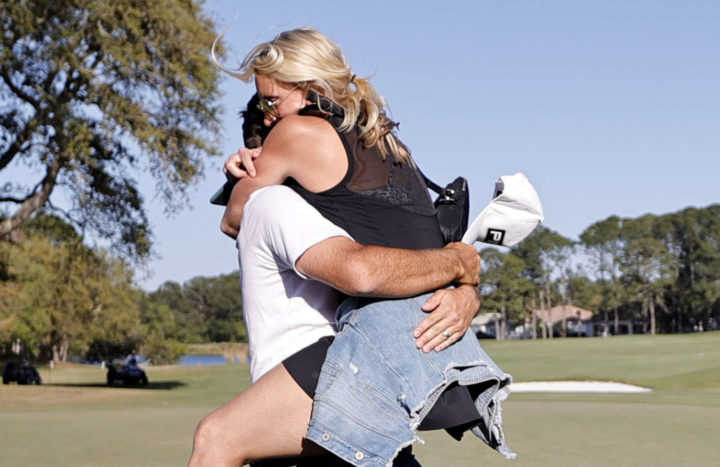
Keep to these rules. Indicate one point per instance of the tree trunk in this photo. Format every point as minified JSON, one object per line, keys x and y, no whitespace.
{"x":542,"y":308}
{"x":64,"y":347}
{"x":616,"y":325}
{"x":651,"y":310}
{"x":504,"y":323}
{"x":607,"y":324}
{"x":55,"y":354}
{"x":35,"y":201}
{"x":548,"y":306}
{"x":533,"y":318}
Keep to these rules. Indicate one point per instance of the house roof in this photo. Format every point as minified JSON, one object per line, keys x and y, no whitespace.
{"x":557,"y":313}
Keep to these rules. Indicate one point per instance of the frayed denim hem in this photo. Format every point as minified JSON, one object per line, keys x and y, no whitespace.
{"x":488,"y":404}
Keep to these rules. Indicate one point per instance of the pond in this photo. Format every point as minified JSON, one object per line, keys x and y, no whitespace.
{"x":202,"y":360}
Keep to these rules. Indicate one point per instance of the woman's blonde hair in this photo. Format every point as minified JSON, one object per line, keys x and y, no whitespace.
{"x":308,"y":58}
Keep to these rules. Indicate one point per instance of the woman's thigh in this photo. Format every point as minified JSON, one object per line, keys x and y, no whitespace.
{"x":269,"y":419}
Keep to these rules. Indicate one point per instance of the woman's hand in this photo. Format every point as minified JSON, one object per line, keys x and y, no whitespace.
{"x":451,"y":311}
{"x":240,"y":164}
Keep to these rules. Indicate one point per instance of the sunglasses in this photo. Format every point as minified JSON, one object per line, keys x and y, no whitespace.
{"x":270,"y":105}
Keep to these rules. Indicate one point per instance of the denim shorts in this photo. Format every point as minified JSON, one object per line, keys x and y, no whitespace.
{"x":454,"y":411}
{"x":376,"y":386}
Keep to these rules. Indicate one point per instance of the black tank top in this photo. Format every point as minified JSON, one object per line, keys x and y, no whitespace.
{"x":386,"y":203}
{"x":379,"y":201}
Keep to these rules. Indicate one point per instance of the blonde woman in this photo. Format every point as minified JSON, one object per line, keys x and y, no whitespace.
{"x":332,"y":142}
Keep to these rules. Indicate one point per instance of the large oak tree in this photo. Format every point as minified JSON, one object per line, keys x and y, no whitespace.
{"x":93,"y":93}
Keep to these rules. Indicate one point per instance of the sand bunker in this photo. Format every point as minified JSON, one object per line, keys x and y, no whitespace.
{"x":576,"y":386}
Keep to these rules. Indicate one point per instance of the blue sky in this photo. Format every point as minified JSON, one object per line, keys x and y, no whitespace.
{"x":608,"y":107}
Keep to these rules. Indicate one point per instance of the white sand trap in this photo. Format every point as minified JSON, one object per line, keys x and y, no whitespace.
{"x":576,"y":386}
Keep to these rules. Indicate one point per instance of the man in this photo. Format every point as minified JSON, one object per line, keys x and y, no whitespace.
{"x":284,"y":242}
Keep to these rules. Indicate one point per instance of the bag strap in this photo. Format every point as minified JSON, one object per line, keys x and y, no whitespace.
{"x":445,"y":195}
{"x":430,"y":184}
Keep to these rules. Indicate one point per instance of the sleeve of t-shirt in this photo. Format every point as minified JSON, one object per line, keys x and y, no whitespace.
{"x":290,"y":225}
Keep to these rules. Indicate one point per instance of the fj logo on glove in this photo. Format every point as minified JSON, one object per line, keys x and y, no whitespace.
{"x":495,"y":236}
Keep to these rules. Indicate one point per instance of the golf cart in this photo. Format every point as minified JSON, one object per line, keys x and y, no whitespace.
{"x":21,"y":373}
{"x":129,"y":374}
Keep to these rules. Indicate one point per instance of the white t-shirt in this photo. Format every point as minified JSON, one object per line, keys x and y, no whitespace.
{"x":284,"y":312}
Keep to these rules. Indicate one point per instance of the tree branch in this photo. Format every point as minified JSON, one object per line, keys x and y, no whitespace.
{"x":30,"y":126}
{"x":35,"y":201}
{"x":16,"y":146}
{"x":17,"y":91}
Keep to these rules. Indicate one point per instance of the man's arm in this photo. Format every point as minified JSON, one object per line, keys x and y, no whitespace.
{"x":449,"y":310}
{"x":390,"y":272}
{"x":362,"y":270}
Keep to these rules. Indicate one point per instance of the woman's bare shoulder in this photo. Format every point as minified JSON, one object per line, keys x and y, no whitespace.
{"x":310,"y":150}
{"x":301,"y":129}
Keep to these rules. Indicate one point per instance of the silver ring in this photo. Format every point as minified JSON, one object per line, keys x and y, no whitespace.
{"x":446,"y":333}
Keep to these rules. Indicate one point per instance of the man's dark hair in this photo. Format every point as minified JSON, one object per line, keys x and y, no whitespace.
{"x":254,"y":131}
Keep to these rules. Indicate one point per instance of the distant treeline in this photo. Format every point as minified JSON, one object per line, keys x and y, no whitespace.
{"x":659,"y":273}
{"x":59,"y":297}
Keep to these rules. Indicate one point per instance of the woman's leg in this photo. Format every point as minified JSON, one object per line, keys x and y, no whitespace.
{"x":269,"y":419}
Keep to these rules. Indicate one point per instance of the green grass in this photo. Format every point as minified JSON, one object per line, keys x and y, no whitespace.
{"x":76,"y":420}
{"x":676,"y":424}
{"x":678,"y":368}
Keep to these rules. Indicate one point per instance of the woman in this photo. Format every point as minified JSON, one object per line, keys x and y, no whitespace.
{"x":281,"y":234}
{"x":332,"y":142}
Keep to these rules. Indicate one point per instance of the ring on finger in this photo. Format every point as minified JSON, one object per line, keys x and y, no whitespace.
{"x":447,"y":334}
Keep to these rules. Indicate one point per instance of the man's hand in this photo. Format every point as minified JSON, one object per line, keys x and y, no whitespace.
{"x":240,"y":164}
{"x":451,"y":311}
{"x":470,"y":260}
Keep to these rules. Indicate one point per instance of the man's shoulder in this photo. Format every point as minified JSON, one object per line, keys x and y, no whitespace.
{"x":275,"y":210}
{"x":273,"y":200}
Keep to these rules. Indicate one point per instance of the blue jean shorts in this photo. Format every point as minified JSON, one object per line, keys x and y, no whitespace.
{"x":376,"y":386}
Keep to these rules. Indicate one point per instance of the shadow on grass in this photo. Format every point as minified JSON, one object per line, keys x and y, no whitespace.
{"x":163,"y":385}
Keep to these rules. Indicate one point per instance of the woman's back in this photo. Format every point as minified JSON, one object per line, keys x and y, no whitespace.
{"x":379,"y":201}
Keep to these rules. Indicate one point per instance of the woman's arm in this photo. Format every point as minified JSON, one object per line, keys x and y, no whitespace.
{"x":302,"y":147}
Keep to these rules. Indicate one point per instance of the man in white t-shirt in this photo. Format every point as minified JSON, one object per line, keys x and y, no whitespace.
{"x":284,"y":241}
{"x":284,"y":312}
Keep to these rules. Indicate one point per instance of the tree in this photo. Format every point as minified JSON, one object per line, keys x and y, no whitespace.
{"x":503,"y":286}
{"x":647,"y":266}
{"x":10,"y":293}
{"x":584,"y":293}
{"x":94,"y":93}
{"x":545,"y":254}
{"x":204,"y":309}
{"x":693,"y":237}
{"x":67,"y":296}
{"x":186,"y":324}
{"x":219,"y":301}
{"x":605,"y":245}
